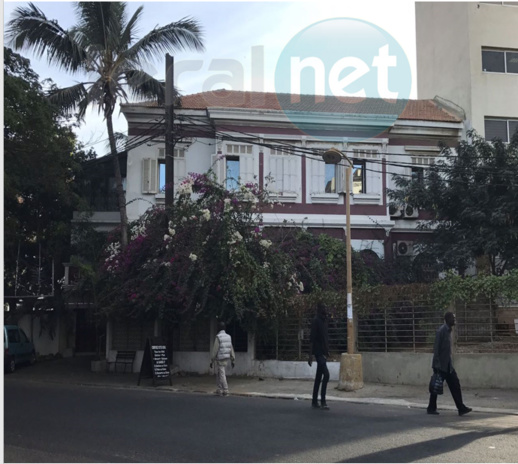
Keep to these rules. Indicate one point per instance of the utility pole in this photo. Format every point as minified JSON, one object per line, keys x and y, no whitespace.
{"x":351,"y":370}
{"x":169,"y":129}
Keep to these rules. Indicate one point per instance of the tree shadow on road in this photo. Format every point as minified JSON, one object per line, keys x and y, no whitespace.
{"x":427,"y":449}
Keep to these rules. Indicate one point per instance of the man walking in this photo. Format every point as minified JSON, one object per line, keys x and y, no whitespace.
{"x":442,"y":363}
{"x":221,"y":353}
{"x":320,"y":348}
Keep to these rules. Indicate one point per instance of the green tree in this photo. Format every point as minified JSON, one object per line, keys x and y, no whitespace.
{"x":473,"y":199}
{"x":103,"y":44}
{"x":41,"y":162}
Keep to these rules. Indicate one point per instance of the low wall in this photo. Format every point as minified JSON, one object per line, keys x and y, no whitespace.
{"x":475,"y":370}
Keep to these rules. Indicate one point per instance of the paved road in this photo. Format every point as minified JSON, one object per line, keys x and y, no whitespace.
{"x":61,"y":423}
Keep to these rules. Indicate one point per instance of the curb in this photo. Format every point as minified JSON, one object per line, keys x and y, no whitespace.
{"x":284,"y":396}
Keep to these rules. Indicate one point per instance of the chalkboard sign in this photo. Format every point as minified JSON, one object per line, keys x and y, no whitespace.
{"x":155,"y":364}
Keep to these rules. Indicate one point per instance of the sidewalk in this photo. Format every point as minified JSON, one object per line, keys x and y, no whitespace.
{"x":77,"y":371}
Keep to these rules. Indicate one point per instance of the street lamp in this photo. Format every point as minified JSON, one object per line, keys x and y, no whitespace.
{"x":351,"y":372}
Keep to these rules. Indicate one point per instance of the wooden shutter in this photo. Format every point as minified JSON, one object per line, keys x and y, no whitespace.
{"x":246,"y":168}
{"x":219,"y":167}
{"x":149,"y":175}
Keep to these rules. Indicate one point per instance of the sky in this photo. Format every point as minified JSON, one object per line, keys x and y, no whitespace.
{"x":234,"y":31}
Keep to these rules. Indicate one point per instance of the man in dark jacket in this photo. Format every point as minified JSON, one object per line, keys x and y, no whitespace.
{"x":320,"y":348}
{"x":442,"y":363}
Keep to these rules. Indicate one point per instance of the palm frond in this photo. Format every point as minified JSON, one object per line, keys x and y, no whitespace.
{"x":129,"y":31}
{"x":101,"y":23}
{"x":179,"y":35}
{"x":144,"y":86}
{"x":30,"y":29}
{"x":69,"y":98}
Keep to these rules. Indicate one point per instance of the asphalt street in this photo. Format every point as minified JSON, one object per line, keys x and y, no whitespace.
{"x":69,"y":423}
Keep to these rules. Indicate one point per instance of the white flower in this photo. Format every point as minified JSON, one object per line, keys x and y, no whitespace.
{"x":184,"y":219}
{"x":185,"y":188}
{"x":301,"y":287}
{"x":265,"y":243}
{"x":236,"y":237}
{"x":172,"y":232}
{"x":167,"y":238}
{"x":266,"y":264}
{"x":205,"y":215}
{"x":193,"y":257}
{"x":226,"y":201}
{"x":289,"y":284}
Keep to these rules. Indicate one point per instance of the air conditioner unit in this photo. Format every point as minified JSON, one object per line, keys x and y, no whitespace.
{"x":395,"y":211}
{"x":404,"y":248}
{"x":410,"y":212}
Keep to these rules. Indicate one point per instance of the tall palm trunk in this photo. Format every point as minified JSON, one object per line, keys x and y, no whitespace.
{"x":118,"y":179}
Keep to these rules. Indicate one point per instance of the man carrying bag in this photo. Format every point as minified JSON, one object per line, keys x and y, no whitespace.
{"x":443,"y":368}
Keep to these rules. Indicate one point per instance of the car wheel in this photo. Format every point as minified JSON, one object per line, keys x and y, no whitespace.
{"x":11,"y":365}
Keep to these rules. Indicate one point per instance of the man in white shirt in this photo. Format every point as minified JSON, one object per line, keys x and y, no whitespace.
{"x":221,"y":353}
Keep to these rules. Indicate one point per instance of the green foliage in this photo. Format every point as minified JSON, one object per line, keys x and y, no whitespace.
{"x":206,"y":254}
{"x":472,"y":199}
{"x":468,"y":289}
{"x":41,"y":161}
{"x":102,"y":45}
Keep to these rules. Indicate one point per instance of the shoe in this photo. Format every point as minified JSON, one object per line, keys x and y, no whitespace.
{"x":225,"y":393}
{"x":218,"y":393}
{"x":465,"y":411}
{"x":432,"y":411}
{"x":315,"y":405}
{"x":324,"y":406}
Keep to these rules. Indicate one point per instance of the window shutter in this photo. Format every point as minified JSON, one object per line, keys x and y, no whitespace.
{"x":318,"y":176}
{"x":246,"y":168}
{"x":218,"y":166}
{"x":149,"y":175}
{"x":276,"y":172}
{"x":291,"y":174}
{"x":179,"y":170}
{"x":341,"y":171}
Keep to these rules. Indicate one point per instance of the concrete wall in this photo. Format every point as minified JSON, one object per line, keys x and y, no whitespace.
{"x":493,"y":94}
{"x":449,"y":41}
{"x":474,"y":370}
{"x":43,"y":344}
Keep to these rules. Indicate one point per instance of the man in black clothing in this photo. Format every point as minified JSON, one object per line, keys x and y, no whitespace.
{"x":442,"y":363}
{"x":319,"y":348}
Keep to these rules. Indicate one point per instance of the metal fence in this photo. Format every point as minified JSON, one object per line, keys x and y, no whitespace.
{"x":394,"y":324}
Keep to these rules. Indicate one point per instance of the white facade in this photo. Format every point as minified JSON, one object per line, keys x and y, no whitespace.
{"x":451,"y":39}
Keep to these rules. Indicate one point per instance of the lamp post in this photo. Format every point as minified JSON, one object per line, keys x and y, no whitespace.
{"x":351,"y":372}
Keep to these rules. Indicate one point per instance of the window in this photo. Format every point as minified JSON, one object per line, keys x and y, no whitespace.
{"x":236,"y":166}
{"x":232,"y":172}
{"x":13,"y":335}
{"x":23,"y":337}
{"x":500,"y":61}
{"x":330,"y":178}
{"x":503,"y":129}
{"x":418,"y":174}
{"x":179,"y":167}
{"x":358,"y":176}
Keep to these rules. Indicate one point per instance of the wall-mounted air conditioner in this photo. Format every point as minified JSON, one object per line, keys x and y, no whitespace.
{"x":395,"y":211}
{"x":404,"y":248}
{"x":410,"y":212}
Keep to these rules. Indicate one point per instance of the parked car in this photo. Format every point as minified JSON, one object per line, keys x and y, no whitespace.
{"x":18,"y":348}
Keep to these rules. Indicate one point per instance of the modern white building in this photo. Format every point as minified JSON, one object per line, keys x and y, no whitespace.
{"x":467,"y":53}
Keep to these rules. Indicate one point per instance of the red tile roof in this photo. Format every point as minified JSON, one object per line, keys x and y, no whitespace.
{"x":423,"y":110}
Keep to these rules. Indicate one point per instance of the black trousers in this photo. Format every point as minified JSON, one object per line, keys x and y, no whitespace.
{"x":322,"y":376}
{"x":454,"y":385}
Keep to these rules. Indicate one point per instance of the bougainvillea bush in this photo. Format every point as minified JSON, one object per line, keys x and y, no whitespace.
{"x":205,"y":254}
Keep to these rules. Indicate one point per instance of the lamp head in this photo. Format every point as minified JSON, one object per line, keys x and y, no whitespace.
{"x":332,"y":156}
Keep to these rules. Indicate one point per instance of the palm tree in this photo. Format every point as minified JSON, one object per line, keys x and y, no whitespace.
{"x":103,"y":45}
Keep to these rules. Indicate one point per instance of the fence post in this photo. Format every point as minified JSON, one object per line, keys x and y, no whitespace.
{"x":413,"y":325}
{"x":385,"y":318}
{"x":277,"y":342}
{"x":491,"y":319}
